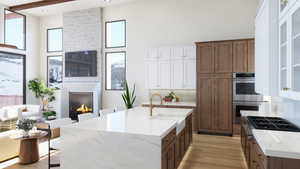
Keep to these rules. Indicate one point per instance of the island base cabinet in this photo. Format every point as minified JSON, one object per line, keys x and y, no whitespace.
{"x":168,"y":151}
{"x":255,"y":157}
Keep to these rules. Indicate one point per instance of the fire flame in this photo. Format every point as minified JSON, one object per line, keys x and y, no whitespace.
{"x":84,"y":109}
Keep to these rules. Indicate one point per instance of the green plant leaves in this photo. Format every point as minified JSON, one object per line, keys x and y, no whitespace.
{"x":129,"y":97}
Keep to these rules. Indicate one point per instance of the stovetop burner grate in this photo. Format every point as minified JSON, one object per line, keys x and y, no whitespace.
{"x":272,"y":123}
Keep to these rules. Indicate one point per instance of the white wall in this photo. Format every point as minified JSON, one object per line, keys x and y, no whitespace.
{"x":32,"y":49}
{"x":175,"y":22}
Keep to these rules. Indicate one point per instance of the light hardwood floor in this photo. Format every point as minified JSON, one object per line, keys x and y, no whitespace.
{"x":206,"y":152}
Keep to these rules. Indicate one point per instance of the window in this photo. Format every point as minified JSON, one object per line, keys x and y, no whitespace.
{"x":55,"y":71}
{"x":115,"y":34}
{"x":55,"y":40}
{"x":12,"y":79}
{"x":15,"y":29}
{"x":115,"y":70}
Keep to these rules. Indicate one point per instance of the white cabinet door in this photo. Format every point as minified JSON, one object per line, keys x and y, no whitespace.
{"x":164,"y":53}
{"x":152,"y":74}
{"x":152,"y":54}
{"x":190,"y":52}
{"x":189,"y":73}
{"x":177,"y":53}
{"x":177,"y":74}
{"x":164,"y":74}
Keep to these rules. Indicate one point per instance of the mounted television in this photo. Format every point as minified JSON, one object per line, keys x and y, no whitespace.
{"x":81,"y":64}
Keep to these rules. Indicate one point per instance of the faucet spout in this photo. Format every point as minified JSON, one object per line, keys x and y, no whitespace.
{"x":151,"y":102}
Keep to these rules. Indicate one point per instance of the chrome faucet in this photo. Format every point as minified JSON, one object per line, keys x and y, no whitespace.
{"x":151,"y":99}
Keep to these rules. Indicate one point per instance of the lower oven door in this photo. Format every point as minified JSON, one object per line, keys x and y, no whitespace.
{"x":243,"y":106}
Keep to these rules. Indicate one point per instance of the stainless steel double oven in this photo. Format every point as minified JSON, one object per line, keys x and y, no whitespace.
{"x":244,"y":95}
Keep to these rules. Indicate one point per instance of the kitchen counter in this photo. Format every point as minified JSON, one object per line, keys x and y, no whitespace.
{"x":121,"y":139}
{"x":280,"y":144}
{"x":171,"y":104}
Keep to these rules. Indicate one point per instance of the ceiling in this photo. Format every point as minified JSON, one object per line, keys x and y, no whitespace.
{"x":63,"y":7}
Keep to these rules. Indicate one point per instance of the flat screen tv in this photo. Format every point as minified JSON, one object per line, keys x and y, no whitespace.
{"x":81,"y":64}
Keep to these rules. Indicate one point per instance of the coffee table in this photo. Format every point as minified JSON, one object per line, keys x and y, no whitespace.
{"x":29,"y":150}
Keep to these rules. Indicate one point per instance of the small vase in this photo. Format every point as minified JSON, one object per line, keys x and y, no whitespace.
{"x":25,"y":133}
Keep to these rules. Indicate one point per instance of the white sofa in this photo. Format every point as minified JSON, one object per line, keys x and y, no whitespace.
{"x":17,"y":112}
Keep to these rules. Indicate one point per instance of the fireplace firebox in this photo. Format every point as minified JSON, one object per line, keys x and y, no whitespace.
{"x":79,"y":103}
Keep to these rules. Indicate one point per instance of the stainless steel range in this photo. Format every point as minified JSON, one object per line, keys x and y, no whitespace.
{"x":244,"y":95}
{"x":272,"y":123}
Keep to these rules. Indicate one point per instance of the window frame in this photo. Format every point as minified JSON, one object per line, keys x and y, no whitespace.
{"x":62,"y":38}
{"x":24,"y":73}
{"x":125,"y":60}
{"x":24,"y":28}
{"x":47,"y":72}
{"x":125,"y":40}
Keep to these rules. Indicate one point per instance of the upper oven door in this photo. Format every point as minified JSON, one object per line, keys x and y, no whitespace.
{"x":244,"y":90}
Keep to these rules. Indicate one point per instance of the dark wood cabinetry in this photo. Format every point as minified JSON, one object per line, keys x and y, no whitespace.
{"x":223,"y":57}
{"x":216,"y":61}
{"x":243,"y":56}
{"x":215,"y":103}
{"x":251,"y":55}
{"x":255,"y":157}
{"x":174,"y":147}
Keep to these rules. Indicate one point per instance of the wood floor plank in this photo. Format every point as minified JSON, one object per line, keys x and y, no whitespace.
{"x":206,"y":152}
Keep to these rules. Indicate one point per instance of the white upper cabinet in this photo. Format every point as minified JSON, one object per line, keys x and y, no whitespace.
{"x":176,"y":68}
{"x":189,"y":81}
{"x":289,"y":33}
{"x":266,"y":49}
{"x":177,"y":74}
{"x":152,"y":74}
{"x":164,"y":74}
{"x":285,"y":6}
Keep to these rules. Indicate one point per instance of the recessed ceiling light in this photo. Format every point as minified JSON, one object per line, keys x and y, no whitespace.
{"x":107,"y":0}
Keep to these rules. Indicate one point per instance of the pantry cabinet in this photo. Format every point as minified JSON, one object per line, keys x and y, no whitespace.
{"x":171,"y":68}
{"x":289,"y":53}
{"x":215,"y":103}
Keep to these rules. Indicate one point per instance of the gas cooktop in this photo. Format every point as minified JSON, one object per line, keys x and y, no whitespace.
{"x":272,"y":123}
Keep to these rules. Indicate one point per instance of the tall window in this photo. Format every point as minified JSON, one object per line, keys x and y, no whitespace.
{"x":55,"y":71}
{"x":12,"y":79}
{"x":15,"y":29}
{"x":115,"y":70}
{"x":115,"y":55}
{"x":115,"y":34}
{"x":54,"y":40}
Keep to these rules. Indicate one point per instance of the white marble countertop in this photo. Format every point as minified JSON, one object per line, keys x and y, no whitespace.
{"x":138,"y":121}
{"x":275,"y":143}
{"x":278,"y":143}
{"x":184,"y":103}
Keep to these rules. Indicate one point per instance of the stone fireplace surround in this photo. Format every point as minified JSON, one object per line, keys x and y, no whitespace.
{"x":80,"y":87}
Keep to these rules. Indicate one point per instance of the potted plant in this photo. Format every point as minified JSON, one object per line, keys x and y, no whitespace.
{"x":26,"y":125}
{"x":42,"y":92}
{"x":129,"y":97}
{"x":49,"y":115}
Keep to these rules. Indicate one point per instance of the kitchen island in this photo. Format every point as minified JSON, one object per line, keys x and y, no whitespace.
{"x":130,"y":139}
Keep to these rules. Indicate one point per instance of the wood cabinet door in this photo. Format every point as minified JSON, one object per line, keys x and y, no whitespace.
{"x":205,"y":103}
{"x":251,"y":56}
{"x":205,"y":58}
{"x":222,"y":113}
{"x":223,"y":57}
{"x":240,"y":56}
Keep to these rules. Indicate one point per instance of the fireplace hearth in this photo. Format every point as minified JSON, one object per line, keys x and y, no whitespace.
{"x":80,"y":103}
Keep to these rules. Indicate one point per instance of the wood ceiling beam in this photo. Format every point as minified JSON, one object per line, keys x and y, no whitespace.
{"x":37,"y":4}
